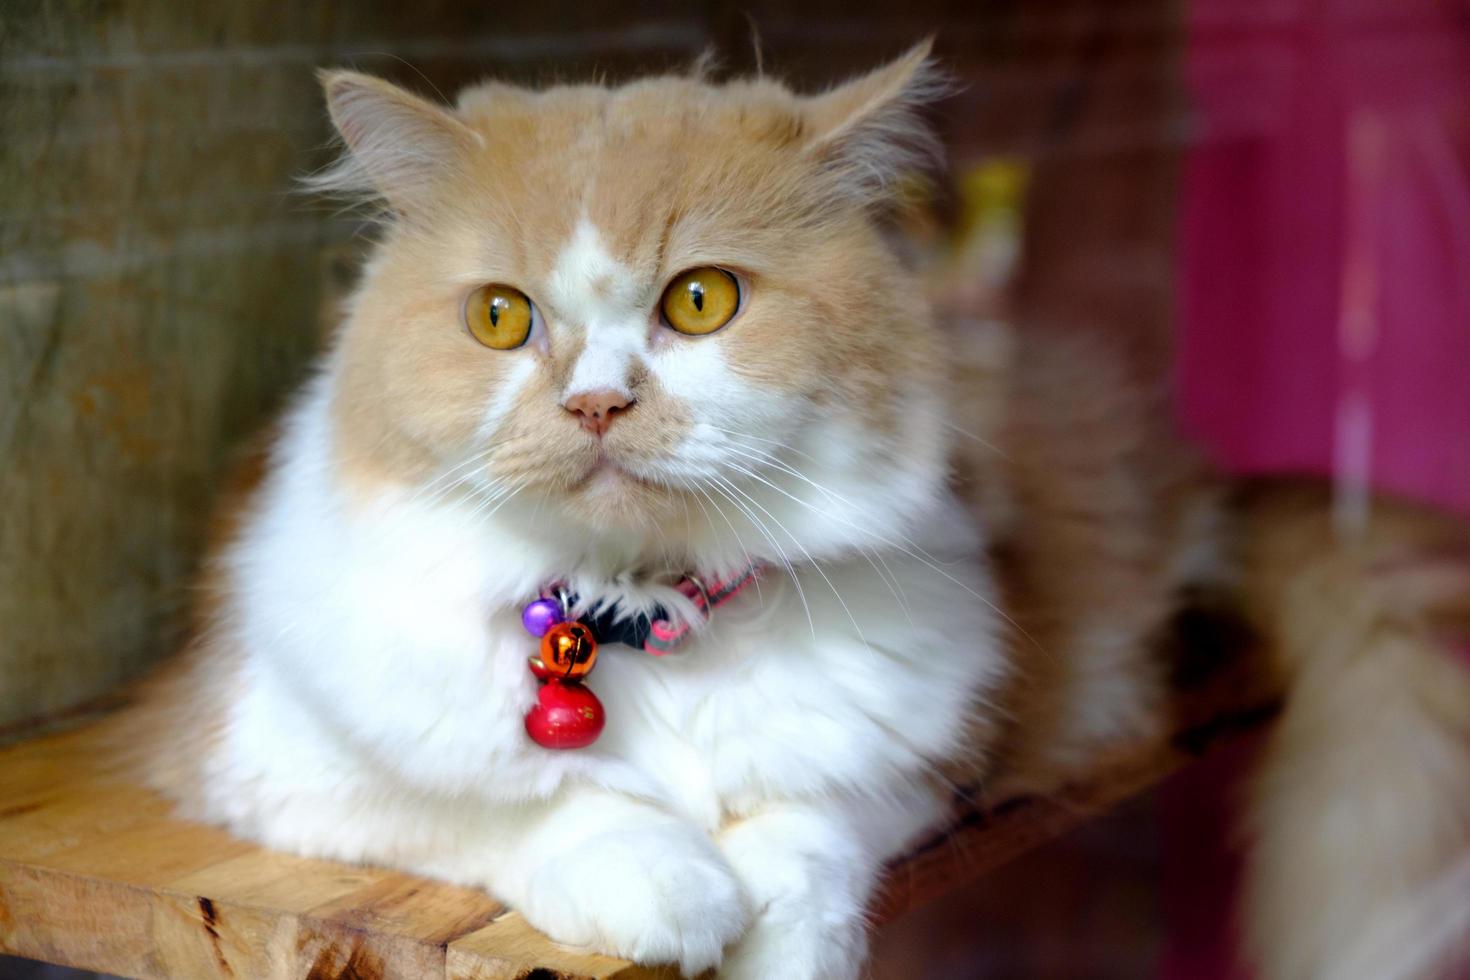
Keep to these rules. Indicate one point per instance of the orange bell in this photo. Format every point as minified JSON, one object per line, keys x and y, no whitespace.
{"x":568,"y":650}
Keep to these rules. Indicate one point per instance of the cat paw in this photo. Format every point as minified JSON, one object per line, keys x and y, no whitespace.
{"x":646,"y":896}
{"x":796,"y":948}
{"x":808,"y":900}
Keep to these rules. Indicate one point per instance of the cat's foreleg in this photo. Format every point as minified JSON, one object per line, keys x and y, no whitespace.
{"x":596,"y":869}
{"x":811,"y":870}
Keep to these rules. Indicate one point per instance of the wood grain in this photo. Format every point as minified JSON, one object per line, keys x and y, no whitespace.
{"x":94,"y":873}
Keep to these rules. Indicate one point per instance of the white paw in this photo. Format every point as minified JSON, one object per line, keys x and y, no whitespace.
{"x":808,"y":895}
{"x":798,"y":947}
{"x":651,"y":897}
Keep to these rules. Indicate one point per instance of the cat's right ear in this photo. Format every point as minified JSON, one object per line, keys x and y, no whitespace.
{"x":398,"y":145}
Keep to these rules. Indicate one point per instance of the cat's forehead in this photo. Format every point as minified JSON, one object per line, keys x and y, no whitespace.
{"x":586,"y":279}
{"x":634,"y":171}
{"x":657,"y":111}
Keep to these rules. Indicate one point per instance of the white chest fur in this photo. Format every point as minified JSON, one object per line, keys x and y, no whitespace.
{"x":384,"y":654}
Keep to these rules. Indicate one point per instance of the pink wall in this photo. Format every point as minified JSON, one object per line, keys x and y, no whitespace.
{"x":1325,"y":266}
{"x":1324,"y":302}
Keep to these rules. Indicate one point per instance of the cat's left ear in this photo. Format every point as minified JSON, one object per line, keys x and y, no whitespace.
{"x":399,"y":145}
{"x":869,"y":130}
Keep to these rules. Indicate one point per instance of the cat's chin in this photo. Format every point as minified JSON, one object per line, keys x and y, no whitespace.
{"x":608,"y":479}
{"x":611,"y":496}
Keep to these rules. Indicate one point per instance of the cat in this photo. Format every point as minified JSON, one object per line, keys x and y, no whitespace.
{"x":613,"y":337}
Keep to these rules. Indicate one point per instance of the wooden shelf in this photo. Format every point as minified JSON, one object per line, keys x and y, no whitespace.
{"x":95,"y":873}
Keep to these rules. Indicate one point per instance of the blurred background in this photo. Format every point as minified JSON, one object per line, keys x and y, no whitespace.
{"x":1268,"y":200}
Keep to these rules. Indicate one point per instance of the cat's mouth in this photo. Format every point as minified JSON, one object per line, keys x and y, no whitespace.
{"x":613,"y":493}
{"x":608,"y":473}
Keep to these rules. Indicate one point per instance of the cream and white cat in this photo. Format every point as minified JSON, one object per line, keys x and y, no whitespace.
{"x":609,"y":337}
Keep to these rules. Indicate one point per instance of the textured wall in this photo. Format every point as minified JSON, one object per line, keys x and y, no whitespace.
{"x":160,"y":289}
{"x":156,"y":288}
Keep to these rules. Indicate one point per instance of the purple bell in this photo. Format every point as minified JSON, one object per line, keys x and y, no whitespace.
{"x":541,"y":615}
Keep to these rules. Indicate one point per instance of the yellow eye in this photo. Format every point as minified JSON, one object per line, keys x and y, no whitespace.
{"x":701,"y":300}
{"x":498,"y":316}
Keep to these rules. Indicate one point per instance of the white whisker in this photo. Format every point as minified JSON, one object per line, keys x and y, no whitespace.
{"x":780,"y":551}
{"x":816,"y":566}
{"x":739,"y":542}
{"x":912,"y":549}
{"x":867,"y":553}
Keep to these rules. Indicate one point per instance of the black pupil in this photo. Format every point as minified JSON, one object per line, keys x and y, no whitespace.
{"x":496,"y":305}
{"x":696,"y":293}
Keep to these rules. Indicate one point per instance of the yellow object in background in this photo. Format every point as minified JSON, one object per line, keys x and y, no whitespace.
{"x":987,"y":238}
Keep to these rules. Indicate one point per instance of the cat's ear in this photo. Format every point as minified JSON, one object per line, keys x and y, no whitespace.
{"x":870,"y":130}
{"x":398,"y":145}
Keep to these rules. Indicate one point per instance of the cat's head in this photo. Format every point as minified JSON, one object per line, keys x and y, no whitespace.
{"x":662,"y":309}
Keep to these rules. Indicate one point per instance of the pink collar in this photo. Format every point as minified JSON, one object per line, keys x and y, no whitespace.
{"x":708,"y":594}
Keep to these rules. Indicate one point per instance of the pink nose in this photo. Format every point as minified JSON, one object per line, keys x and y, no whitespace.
{"x":596,"y":409}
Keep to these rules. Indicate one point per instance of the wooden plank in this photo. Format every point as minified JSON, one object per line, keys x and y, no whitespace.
{"x":510,"y":949}
{"x":980,"y":839}
{"x":72,"y":816}
{"x":49,"y":762}
{"x":375,"y":923}
{"x":252,"y":908}
{"x":269,"y":879}
{"x":149,"y":854}
{"x":94,"y":873}
{"x":126,"y":890}
{"x":410,"y":906}
{"x":75,"y":920}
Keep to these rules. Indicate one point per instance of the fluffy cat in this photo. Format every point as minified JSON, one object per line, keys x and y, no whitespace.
{"x":361,"y":676}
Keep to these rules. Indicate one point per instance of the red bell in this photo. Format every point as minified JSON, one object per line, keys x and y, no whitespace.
{"x":565,"y":716}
